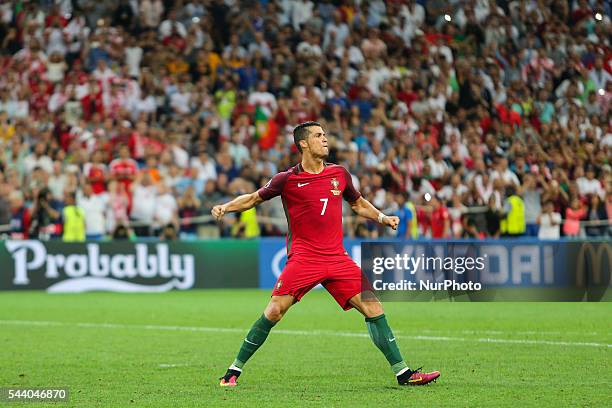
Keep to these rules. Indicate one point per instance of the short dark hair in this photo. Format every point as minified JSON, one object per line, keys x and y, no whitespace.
{"x":301,"y":132}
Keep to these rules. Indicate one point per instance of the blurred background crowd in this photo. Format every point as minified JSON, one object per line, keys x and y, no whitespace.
{"x":467,"y":118}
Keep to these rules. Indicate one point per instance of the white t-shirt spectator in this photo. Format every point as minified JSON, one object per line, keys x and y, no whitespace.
{"x":438,"y":168}
{"x":308,"y":49}
{"x":414,"y":16}
{"x":94,"y":207}
{"x":180,"y":102}
{"x":550,"y":226}
{"x":133,"y":56}
{"x":181,"y":157}
{"x":240,"y":51}
{"x":55,"y":71}
{"x":150,"y":12}
{"x":44,"y":162}
{"x":586,"y":186}
{"x":239,"y":153}
{"x":143,"y":203}
{"x":265,"y":100}
{"x":262,"y":47}
{"x":507,"y":176}
{"x":301,"y":12}
{"x":446,"y":192}
{"x":55,"y":41}
{"x":354,"y":54}
{"x":600,"y":77}
{"x":165,"y":209}
{"x":340,"y":30}
{"x":206,"y":171}
{"x":57,"y":185}
{"x":147,"y":105}
{"x":165,"y":29}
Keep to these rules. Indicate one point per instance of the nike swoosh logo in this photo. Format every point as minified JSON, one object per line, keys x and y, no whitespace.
{"x":302,"y":184}
{"x":416,"y":379}
{"x":250,"y":342}
{"x":393,"y":339}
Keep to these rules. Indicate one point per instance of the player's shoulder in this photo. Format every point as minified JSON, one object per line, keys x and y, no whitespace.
{"x":285,"y":174}
{"x":278,"y":181}
{"x":336,"y":168}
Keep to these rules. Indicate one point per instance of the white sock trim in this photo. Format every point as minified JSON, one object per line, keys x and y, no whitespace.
{"x":233,"y":367}
{"x":402,"y":371}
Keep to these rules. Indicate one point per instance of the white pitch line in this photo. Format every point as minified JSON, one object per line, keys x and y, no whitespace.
{"x":173,"y":365}
{"x":526,"y":332}
{"x":299,"y":333}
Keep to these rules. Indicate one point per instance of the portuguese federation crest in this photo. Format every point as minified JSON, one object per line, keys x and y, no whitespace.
{"x":335,"y":184}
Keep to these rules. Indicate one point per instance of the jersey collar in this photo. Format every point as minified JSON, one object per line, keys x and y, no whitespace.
{"x":299,"y":169}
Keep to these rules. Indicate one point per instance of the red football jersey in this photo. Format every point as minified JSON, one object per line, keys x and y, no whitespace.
{"x":313,"y":207}
{"x":438,"y":218}
{"x":122,"y":170}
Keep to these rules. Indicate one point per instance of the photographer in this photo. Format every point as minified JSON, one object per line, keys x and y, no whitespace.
{"x":43,"y":215}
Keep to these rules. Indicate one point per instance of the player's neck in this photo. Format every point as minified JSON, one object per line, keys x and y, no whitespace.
{"x":312,"y":165}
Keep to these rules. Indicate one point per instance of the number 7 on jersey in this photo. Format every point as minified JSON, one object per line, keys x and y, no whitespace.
{"x":324,"y":204}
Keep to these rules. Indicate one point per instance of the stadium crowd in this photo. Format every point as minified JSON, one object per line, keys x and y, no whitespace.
{"x":467,"y":118}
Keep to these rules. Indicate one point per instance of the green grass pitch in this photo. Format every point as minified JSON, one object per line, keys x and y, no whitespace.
{"x":168,"y":350}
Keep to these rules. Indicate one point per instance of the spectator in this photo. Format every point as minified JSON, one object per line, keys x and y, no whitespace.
{"x":589,"y":185}
{"x":494,"y":216}
{"x":144,"y":195}
{"x":408,"y":226}
{"x":470,"y":230}
{"x":514,"y":208}
{"x":74,"y":220}
{"x":246,"y":225}
{"x":122,"y":232}
{"x":118,"y":206}
{"x":96,"y":172}
{"x":166,"y":207}
{"x":440,"y":219}
{"x":124,"y":168}
{"x":484,"y":99}
{"x":456,"y":212}
{"x":170,"y":25}
{"x":20,"y":217}
{"x":94,"y":209}
{"x":596,"y":213}
{"x":150,"y":13}
{"x":5,"y":203}
{"x":189,"y":206}
{"x":204,"y":166}
{"x":38,"y":158}
{"x":532,"y":197}
{"x":549,"y":222}
{"x":573,"y":215}
{"x":43,"y":216}
{"x":168,"y":233}
{"x":58,"y":181}
{"x":456,"y":187}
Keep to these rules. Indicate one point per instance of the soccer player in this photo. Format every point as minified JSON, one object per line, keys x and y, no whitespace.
{"x":312,"y":194}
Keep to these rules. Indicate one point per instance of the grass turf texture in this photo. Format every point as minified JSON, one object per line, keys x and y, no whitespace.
{"x":130,"y":365}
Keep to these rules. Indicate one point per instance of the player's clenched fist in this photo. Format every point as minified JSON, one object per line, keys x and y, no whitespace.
{"x":392,"y":221}
{"x":218,"y":211}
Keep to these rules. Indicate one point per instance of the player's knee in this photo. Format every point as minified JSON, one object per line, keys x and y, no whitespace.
{"x":372,"y":309}
{"x":274,"y":311}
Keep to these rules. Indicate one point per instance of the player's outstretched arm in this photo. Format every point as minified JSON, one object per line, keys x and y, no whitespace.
{"x":240,"y":203}
{"x":366,"y":209}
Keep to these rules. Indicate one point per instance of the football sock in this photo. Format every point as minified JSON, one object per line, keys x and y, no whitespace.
{"x":254,"y":339}
{"x":383,"y":338}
